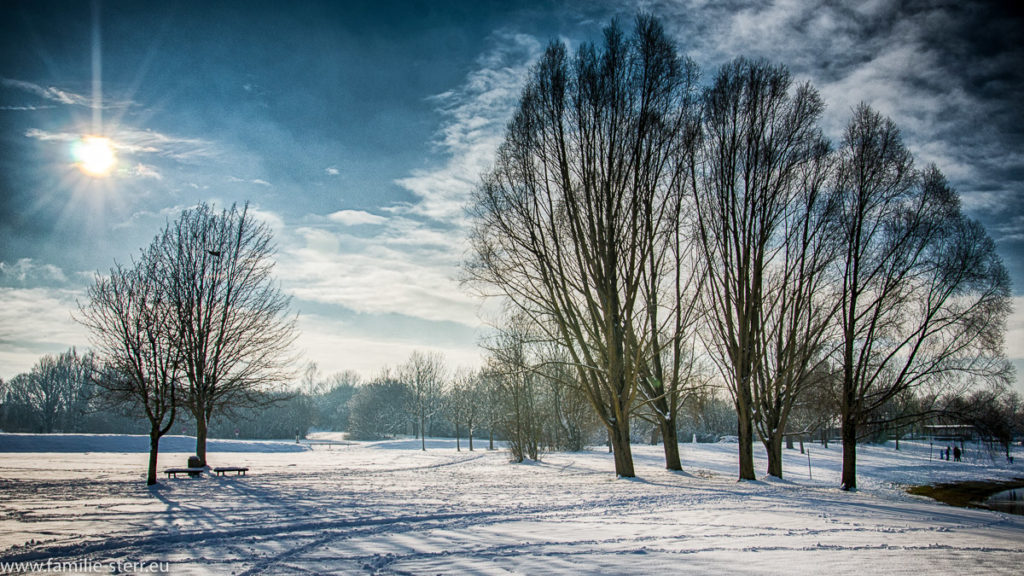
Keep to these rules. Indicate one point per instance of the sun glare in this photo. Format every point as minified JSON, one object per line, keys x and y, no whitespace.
{"x":94,"y":155}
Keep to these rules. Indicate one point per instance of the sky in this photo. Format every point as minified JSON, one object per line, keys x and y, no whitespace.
{"x":357,"y":130}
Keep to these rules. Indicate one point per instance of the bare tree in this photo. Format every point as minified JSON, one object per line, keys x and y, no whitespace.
{"x":924,"y":296}
{"x":425,"y":375}
{"x":558,"y":220}
{"x":463,"y":403}
{"x":131,"y":325}
{"x":232,"y":319}
{"x":797,"y":312}
{"x":760,"y":133}
{"x":516,"y":386}
{"x":56,"y":392}
{"x":569,"y":421}
{"x":379,"y":408}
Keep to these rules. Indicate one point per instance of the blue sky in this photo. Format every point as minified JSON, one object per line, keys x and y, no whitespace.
{"x":358,"y":129}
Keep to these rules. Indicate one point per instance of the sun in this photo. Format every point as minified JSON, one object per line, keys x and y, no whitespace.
{"x":94,"y":155}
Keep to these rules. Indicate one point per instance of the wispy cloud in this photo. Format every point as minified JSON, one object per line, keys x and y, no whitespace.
{"x":475,"y":116}
{"x":140,"y":143}
{"x":256,"y":181}
{"x":58,"y":95}
{"x":375,"y":265}
{"x":356,"y":218}
{"x":26,"y":108}
{"x":331,"y":171}
{"x":146,"y":171}
{"x":50,"y":93}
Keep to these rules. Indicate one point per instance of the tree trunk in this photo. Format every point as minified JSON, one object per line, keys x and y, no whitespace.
{"x":774,"y":448}
{"x":619,"y":436}
{"x":490,"y":437}
{"x":668,"y":437}
{"x":849,"y":477}
{"x":458,"y":447}
{"x":746,"y":448}
{"x":471,"y":437}
{"x":201,"y":431}
{"x":154,"y":448}
{"x":423,"y":433}
{"x":789,"y":442}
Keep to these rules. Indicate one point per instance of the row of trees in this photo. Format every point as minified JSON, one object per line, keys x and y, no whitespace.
{"x":644,"y":224}
{"x":56,"y":395}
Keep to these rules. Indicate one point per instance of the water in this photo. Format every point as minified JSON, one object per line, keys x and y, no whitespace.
{"x":1011,"y":501}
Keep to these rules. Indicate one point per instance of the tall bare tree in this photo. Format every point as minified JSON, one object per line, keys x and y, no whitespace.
{"x":760,"y":132}
{"x":798,"y":308}
{"x":425,"y":374}
{"x":924,"y":295}
{"x":232,"y":319}
{"x":132,"y":327}
{"x":559,"y":220}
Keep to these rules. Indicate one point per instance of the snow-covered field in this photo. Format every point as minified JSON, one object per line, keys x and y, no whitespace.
{"x":389,"y":508}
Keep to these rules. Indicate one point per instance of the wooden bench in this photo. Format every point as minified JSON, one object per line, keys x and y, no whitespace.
{"x":192,"y":472}
{"x":238,"y":470}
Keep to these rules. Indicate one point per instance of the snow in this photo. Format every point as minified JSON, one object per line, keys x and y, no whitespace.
{"x":391,"y":508}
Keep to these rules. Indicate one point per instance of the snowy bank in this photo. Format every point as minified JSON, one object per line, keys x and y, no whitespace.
{"x":80,"y":443}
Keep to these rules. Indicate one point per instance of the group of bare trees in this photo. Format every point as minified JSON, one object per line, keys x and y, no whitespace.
{"x":55,"y":395}
{"x":195,"y":322}
{"x":648,"y":228}
{"x":522,"y":396}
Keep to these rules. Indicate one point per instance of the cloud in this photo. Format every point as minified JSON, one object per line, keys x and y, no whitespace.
{"x":26,"y":108}
{"x":146,"y":171}
{"x":397,"y":266}
{"x":475,"y":115}
{"x":28,"y":272}
{"x":33,"y":322}
{"x":1014,"y":343}
{"x":346,"y":345}
{"x":59,"y":96}
{"x":50,"y":93}
{"x":134,"y":142}
{"x":256,"y":181}
{"x":145,"y":142}
{"x":332,"y":171}
{"x":270,"y":218}
{"x":356,"y":218}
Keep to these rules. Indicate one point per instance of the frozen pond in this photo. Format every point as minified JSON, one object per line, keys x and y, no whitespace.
{"x":1011,"y":501}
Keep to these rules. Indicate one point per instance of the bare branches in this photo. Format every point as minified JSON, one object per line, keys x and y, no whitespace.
{"x":568,"y":220}
{"x":230,"y":318}
{"x":924,"y":296}
{"x":132,"y":327}
{"x":763,"y":164}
